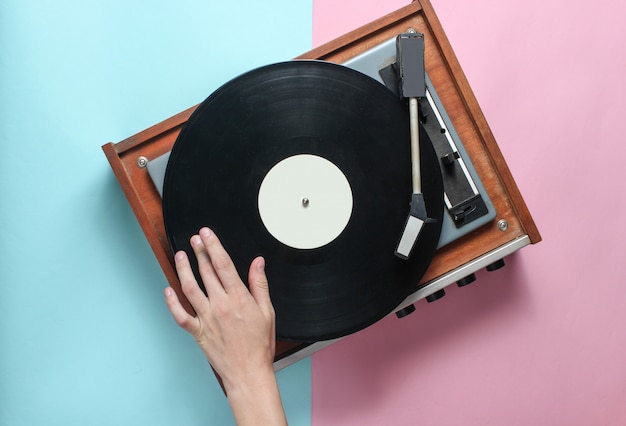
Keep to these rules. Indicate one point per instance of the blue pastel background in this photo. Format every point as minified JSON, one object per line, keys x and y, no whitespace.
{"x":85,"y":337}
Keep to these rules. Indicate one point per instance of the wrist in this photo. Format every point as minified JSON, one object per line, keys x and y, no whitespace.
{"x":255,"y":399}
{"x":249,"y":384}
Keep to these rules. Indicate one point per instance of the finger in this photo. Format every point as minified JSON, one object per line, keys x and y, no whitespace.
{"x":221,"y":261}
{"x":259,"y":287}
{"x":209,"y":277}
{"x":188,"y":282}
{"x":180,"y":315}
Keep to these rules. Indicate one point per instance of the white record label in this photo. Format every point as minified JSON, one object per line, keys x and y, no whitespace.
{"x":305,"y":201}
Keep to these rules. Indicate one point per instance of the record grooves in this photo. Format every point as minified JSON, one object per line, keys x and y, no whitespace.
{"x":241,"y":131}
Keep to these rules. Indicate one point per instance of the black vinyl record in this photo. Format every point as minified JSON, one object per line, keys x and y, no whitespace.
{"x":246,"y":127}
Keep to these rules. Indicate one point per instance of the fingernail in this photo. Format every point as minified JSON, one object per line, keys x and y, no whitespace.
{"x":260,"y":266}
{"x":205,"y":232}
{"x":179,"y":255}
{"x":195,"y":240}
{"x":168,"y":292}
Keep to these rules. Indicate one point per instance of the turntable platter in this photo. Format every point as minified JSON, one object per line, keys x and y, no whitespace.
{"x":306,"y":163}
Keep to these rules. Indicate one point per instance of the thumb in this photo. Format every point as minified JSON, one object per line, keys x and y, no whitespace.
{"x":259,"y":287}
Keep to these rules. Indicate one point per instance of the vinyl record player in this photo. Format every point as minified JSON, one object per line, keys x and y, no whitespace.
{"x":335,"y":111}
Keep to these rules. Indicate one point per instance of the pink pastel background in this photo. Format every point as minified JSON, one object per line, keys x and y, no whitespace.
{"x":542,"y":341}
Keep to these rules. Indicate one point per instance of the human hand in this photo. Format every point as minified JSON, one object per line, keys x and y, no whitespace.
{"x":234,"y":327}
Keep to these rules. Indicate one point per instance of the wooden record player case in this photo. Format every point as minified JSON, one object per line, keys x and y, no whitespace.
{"x":512,"y":229}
